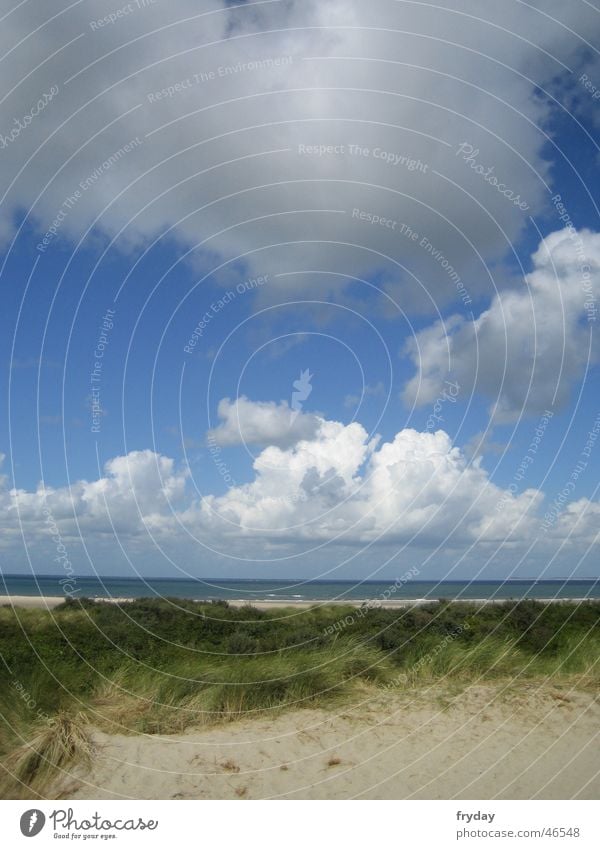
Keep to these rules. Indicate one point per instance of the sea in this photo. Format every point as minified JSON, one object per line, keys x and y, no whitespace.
{"x":294,"y":590}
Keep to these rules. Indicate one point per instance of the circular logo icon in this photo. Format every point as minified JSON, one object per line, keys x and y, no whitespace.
{"x":32,"y":822}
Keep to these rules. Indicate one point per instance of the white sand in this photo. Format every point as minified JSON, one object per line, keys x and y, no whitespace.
{"x":485,"y":743}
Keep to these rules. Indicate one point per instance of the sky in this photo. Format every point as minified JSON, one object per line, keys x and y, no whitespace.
{"x":300,"y":289}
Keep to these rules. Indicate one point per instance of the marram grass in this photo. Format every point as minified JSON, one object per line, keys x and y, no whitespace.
{"x":59,"y":742}
{"x":156,"y":668}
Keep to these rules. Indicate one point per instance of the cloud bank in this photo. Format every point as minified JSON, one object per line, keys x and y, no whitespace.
{"x":257,"y":131}
{"x":340,"y":487}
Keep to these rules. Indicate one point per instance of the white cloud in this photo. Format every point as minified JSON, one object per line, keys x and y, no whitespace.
{"x":339,"y":487}
{"x":528,"y":349}
{"x":410,"y":81}
{"x":261,"y":423}
{"x":580,"y":521}
{"x":343,"y":486}
{"x":133,"y":489}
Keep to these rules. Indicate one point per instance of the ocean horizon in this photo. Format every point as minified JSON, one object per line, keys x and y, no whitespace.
{"x":294,"y":590}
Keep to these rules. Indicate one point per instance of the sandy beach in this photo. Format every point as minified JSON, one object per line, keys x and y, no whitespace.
{"x":487,"y":742}
{"x":49,"y":602}
{"x":34,"y":601}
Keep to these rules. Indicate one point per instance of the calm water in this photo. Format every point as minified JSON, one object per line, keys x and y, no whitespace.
{"x":295,"y":590}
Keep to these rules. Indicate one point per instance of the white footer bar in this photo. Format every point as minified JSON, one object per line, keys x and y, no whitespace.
{"x":301,"y":824}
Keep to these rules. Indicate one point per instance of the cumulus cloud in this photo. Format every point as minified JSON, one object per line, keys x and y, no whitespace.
{"x":526,"y":351}
{"x":339,"y":487}
{"x":579,"y":520}
{"x":343,"y":486}
{"x":261,"y":423}
{"x":134,"y":489}
{"x":242,"y":131}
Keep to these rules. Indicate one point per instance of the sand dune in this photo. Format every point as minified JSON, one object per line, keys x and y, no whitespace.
{"x":487,"y":742}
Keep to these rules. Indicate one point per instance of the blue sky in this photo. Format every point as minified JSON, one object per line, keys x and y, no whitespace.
{"x":208,"y":264}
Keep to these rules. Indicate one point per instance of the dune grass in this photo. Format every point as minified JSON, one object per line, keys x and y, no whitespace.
{"x":230,"y":688}
{"x":578,"y":659}
{"x":160,"y":666}
{"x":60,"y":742}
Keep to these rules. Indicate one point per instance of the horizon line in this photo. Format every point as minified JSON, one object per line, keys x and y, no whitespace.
{"x":304,"y":580}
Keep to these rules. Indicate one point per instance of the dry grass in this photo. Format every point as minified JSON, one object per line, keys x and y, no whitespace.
{"x":58,"y":743}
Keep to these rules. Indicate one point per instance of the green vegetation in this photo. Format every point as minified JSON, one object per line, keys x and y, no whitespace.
{"x":160,"y":666}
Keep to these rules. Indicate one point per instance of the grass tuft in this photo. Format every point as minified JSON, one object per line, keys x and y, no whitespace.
{"x":60,"y":743}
